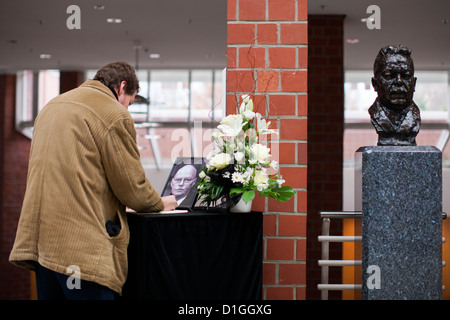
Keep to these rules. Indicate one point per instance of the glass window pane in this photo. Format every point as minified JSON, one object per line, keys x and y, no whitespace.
{"x":169,"y":95}
{"x":163,"y":145}
{"x":431,"y":94}
{"x":48,"y":86}
{"x":139,"y":109}
{"x":201,"y":95}
{"x":24,"y":96}
{"x":219,"y":95}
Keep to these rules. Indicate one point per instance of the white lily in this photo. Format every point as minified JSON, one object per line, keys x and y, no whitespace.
{"x":248,"y":115}
{"x":246,"y":105}
{"x":245,"y":98}
{"x":262,"y":125}
{"x":231,"y":125}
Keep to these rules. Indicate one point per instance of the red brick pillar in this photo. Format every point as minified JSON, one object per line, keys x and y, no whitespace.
{"x":267,"y":58}
{"x":14,"y":151}
{"x":69,"y":80}
{"x":325,"y":141}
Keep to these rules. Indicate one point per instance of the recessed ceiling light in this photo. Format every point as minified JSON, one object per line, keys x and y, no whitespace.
{"x":352,"y":41}
{"x":154,"y":55}
{"x":114,"y":20}
{"x":99,"y":7}
{"x":45,"y":56}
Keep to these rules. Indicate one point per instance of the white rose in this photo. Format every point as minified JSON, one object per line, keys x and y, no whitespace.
{"x":260,"y":153}
{"x":261,"y":177}
{"x":220,"y":161}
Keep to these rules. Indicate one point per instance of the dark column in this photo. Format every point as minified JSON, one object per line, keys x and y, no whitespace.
{"x":325,"y":141}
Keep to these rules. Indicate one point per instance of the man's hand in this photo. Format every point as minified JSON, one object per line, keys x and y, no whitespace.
{"x":170,"y":203}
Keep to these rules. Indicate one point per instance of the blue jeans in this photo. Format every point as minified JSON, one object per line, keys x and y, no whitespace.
{"x":52,"y":285}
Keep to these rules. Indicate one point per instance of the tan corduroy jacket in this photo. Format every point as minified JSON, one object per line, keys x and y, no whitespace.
{"x":84,"y":168}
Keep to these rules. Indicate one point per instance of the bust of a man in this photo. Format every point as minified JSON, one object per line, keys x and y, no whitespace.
{"x":394,"y":114}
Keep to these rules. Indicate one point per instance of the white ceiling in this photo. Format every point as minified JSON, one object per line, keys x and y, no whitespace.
{"x":418,"y":24}
{"x":184,"y":32}
{"x":192,"y":33}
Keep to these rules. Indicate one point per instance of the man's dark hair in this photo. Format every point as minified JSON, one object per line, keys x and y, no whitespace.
{"x":112,"y":74}
{"x":392,"y":50}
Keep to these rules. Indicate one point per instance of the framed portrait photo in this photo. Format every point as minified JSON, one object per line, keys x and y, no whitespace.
{"x":183,"y":179}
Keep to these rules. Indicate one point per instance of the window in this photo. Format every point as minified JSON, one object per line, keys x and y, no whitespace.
{"x":34,"y":89}
{"x":175,"y":113}
{"x":431,"y":96}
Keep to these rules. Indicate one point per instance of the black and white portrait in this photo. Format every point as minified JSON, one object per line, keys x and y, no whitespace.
{"x":182,"y":181}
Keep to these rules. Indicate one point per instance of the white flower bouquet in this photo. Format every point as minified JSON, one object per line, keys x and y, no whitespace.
{"x":240,"y":164}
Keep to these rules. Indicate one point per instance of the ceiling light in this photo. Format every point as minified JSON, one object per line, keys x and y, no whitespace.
{"x":352,"y":41}
{"x":154,"y":55}
{"x":99,"y":7}
{"x":45,"y":56}
{"x":114,"y":20}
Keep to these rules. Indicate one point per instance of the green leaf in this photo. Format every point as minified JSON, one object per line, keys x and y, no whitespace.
{"x":285,"y":193}
{"x":248,"y":196}
{"x":237,"y":190}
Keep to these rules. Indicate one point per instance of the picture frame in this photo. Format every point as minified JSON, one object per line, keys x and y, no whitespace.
{"x":182,"y":181}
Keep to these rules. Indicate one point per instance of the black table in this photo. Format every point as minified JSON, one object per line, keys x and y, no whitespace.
{"x":195,"y":255}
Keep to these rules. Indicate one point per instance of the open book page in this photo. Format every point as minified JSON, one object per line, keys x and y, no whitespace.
{"x":159,"y":212}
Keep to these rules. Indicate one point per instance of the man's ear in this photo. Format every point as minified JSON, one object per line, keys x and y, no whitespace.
{"x":122,"y":87}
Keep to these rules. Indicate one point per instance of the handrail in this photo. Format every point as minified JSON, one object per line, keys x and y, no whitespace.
{"x":340,"y":263}
{"x":341,"y":214}
{"x":340,"y":238}
{"x":326,"y":238}
{"x":352,"y":214}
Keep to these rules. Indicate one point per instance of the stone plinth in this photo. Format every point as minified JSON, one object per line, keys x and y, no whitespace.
{"x":402,"y":223}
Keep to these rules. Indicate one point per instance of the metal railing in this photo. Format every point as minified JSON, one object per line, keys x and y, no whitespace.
{"x":325,"y":262}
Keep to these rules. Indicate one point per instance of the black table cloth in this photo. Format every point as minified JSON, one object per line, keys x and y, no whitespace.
{"x":195,"y":255}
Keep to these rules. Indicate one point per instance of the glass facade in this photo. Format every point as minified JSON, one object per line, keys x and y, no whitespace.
{"x":174,"y":114}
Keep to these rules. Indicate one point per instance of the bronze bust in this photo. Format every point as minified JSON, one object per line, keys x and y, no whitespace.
{"x":394,"y":114}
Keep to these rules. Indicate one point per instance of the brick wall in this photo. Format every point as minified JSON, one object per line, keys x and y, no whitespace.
{"x":14,"y":153}
{"x":69,"y":80}
{"x":267,"y":57}
{"x":325,"y":140}
{"x":14,"y":150}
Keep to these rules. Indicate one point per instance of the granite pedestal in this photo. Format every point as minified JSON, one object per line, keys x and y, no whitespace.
{"x":402,"y":223}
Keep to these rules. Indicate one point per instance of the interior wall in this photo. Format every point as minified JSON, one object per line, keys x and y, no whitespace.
{"x":325,"y":141}
{"x":14,"y":151}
